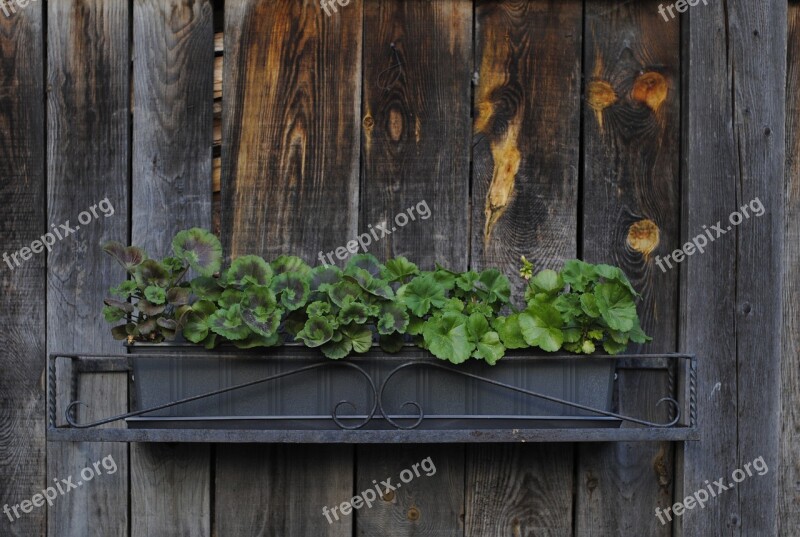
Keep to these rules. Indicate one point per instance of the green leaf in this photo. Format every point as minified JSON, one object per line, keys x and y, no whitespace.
{"x":541,"y":327}
{"x":316,"y":331}
{"x":147,"y":327}
{"x":415,"y":325}
{"x":612,"y":347}
{"x":195,"y":328}
{"x":339,"y":292}
{"x":369,"y":284}
{"x":179,"y":296}
{"x":548,"y":281}
{"x":399,"y":269}
{"x":392,"y":343}
{"x":125,"y":307}
{"x":151,"y":272}
{"x":447,"y":339}
{"x":637,"y":335}
{"x":493,"y":286}
{"x":353,"y":311}
{"x":113,"y":314}
{"x":173,"y":264}
{"x":367,"y":262}
{"x":477,"y":326}
{"x":490,"y":348}
{"x":291,"y":264}
{"x":292,"y":289}
{"x":318,"y":309}
{"x":615,"y":275}
{"x":229,"y":297}
{"x":466,"y":281}
{"x":228,"y":323}
{"x":616,"y":306}
{"x":148,"y":308}
{"x":324,"y":274}
{"x":120,"y":333}
{"x":207,"y":288}
{"x":200,"y":249}
{"x":124,"y":290}
{"x":257,"y":340}
{"x":587,"y":346}
{"x":127,"y":256}
{"x":360,"y":337}
{"x":155,"y":295}
{"x":249,"y":269}
{"x":393,"y":318}
{"x":336,"y":350}
{"x":260,"y":312}
{"x":578,"y":274}
{"x":589,"y":306}
{"x":422,"y":293}
{"x":510,"y":332}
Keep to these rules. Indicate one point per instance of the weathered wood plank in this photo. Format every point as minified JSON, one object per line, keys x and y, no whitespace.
{"x":730,"y":309}
{"x":631,"y":207}
{"x":289,"y":185}
{"x":789,"y":493}
{"x":22,"y":295}
{"x":171,"y":190}
{"x":525,"y":185}
{"x":290,"y":144}
{"x":415,"y":154}
{"x":88,"y":151}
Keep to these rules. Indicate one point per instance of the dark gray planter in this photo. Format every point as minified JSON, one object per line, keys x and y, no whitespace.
{"x":164,"y":373}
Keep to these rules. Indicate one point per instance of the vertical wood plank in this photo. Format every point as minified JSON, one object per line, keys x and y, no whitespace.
{"x":289,"y":185}
{"x":173,"y":44}
{"x":525,"y":185}
{"x":731,"y":296}
{"x":415,"y":148}
{"x":88,"y":151}
{"x":744,"y":161}
{"x":789,"y":493}
{"x":631,"y":208}
{"x":22,"y":288}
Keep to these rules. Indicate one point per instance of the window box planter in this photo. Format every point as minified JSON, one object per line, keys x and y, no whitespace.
{"x":412,"y":389}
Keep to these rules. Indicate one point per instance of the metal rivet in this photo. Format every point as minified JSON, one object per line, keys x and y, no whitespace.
{"x":413,"y":514}
{"x":389,"y":496}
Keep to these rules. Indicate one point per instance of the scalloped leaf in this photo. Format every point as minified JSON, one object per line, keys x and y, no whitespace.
{"x":249,"y":269}
{"x":422,"y":293}
{"x":393,"y":318}
{"x":324,"y":275}
{"x":148,"y":308}
{"x":155,"y":295}
{"x":291,"y":264}
{"x":207,"y":288}
{"x":292,"y":288}
{"x":228,"y":323}
{"x":127,"y":256}
{"x":179,"y":296}
{"x":151,"y":272}
{"x":399,"y":269}
{"x":366,"y":262}
{"x":446,"y":337}
{"x":199,"y":248}
{"x":316,"y":332}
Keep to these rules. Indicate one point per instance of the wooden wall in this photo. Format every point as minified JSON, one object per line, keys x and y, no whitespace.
{"x":551,"y":129}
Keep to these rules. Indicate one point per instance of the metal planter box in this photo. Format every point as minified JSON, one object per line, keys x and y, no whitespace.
{"x":411,"y":389}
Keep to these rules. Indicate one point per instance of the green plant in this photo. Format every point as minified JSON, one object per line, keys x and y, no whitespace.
{"x":457,"y":316}
{"x":577,"y":309}
{"x":158,"y":293}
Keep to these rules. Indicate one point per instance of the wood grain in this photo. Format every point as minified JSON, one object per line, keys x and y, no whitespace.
{"x":171,"y":190}
{"x":415,"y":154}
{"x":88,"y":151}
{"x":789,"y":492}
{"x":290,"y":138}
{"x":631,"y":214}
{"x":289,"y":185}
{"x":525,"y":185}
{"x":22,"y":289}
{"x":730,"y":311}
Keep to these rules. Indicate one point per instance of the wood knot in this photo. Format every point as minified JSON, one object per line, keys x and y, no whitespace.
{"x":651,"y":89}
{"x":395,"y":125}
{"x":643,"y":236}
{"x":369,"y":123}
{"x":413,"y":514}
{"x":600,"y":95}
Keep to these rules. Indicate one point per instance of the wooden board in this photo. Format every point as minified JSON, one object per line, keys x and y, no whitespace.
{"x":415,"y":156}
{"x":171,"y":190}
{"x":87,"y":162}
{"x":289,"y":185}
{"x":729,"y":309}
{"x":524,"y":202}
{"x":22,"y":288}
{"x":789,"y":494}
{"x":631,"y":214}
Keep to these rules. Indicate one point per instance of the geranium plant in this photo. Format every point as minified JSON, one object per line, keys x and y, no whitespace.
{"x":457,"y":316}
